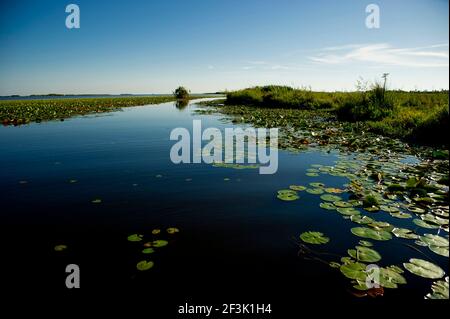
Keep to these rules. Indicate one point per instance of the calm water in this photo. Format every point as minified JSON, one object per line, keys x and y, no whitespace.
{"x":234,"y":235}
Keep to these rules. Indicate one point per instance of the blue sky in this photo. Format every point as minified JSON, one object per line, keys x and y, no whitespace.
{"x":210,"y":45}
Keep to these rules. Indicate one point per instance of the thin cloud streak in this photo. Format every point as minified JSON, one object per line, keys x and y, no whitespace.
{"x":385,"y":54}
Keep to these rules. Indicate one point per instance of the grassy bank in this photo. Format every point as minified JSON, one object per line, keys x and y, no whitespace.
{"x":16,"y":112}
{"x":420,"y":117}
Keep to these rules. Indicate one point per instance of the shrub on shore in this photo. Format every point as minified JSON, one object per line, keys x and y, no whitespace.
{"x":181,"y":93}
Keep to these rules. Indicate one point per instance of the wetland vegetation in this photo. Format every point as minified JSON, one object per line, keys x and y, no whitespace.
{"x":411,"y":116}
{"x":387,"y":196}
{"x":16,"y":112}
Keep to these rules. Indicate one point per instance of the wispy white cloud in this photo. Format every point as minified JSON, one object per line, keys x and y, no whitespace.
{"x":385,"y":54}
{"x":257,"y":62}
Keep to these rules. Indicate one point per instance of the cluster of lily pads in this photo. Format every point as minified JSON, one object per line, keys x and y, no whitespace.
{"x":369,"y":279}
{"x":150,"y":246}
{"x":418,"y":197}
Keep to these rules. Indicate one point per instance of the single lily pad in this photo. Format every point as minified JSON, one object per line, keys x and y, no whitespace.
{"x":96,"y":201}
{"x":297,"y":188}
{"x":365,"y":243}
{"x":144,"y":265}
{"x":348,"y":211}
{"x":443,"y":251}
{"x":317,"y":185}
{"x":366,"y":232}
{"x":287,"y":195}
{"x":330,"y":198}
{"x":312,"y":174}
{"x":135,"y":237}
{"x":424,"y":268}
{"x":404,"y":233}
{"x":390,"y":279}
{"x":313,"y":237}
{"x":172,"y":230}
{"x":354,"y":270}
{"x":342,"y":204}
{"x":439,"y":290}
{"x":401,"y":215}
{"x":156,"y":231}
{"x":314,"y":191}
{"x":416,"y":210}
{"x":364,"y":254}
{"x":60,"y":247}
{"x":159,"y":243}
{"x":333,"y":190}
{"x":434,"y":240}
{"x":327,"y":206}
{"x":148,"y":251}
{"x":362,"y":220}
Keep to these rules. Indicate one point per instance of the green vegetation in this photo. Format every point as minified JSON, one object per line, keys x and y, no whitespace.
{"x":16,"y":112}
{"x":181,"y":93}
{"x":412,"y":116}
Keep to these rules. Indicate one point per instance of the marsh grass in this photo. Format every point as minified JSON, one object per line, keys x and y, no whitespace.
{"x":420,"y":117}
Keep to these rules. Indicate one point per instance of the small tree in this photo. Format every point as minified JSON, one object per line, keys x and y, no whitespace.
{"x":181,"y":93}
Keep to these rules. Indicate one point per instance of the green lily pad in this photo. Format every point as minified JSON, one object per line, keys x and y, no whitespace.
{"x":334,"y":264}
{"x":390,"y":278}
{"x":327,"y":206}
{"x":347,"y":260}
{"x":317,"y":185}
{"x":430,"y":218}
{"x":416,"y":210}
{"x":443,"y":251}
{"x":362,"y":220}
{"x":348,"y":211}
{"x":312,"y":174}
{"x":401,"y":215}
{"x":372,"y":209}
{"x":148,"y":251}
{"x":330,"y":198}
{"x":389,"y":209}
{"x":333,"y":190}
{"x":434,"y":240}
{"x":365,"y":243}
{"x":371,"y":233}
{"x":364,"y":254}
{"x":297,"y":188}
{"x":424,"y":268}
{"x":60,"y":247}
{"x":424,"y":224}
{"x":439,"y":290}
{"x":135,"y":237}
{"x":404,"y":233}
{"x":287,"y":195}
{"x":314,"y":191}
{"x":380,"y":224}
{"x":159,"y":243}
{"x":172,"y":230}
{"x":96,"y":201}
{"x":144,"y":265}
{"x":354,"y":270}
{"x":342,"y":204}
{"x":312,"y":237}
{"x":156,"y":231}
{"x":395,"y":268}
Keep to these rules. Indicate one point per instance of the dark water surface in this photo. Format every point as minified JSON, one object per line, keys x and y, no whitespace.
{"x":236,"y":238}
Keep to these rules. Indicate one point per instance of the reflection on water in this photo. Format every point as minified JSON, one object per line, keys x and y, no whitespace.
{"x":181,"y":104}
{"x":91,"y":182}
